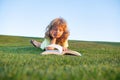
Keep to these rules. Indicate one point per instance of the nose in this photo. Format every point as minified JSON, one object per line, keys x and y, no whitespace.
{"x":57,"y":31}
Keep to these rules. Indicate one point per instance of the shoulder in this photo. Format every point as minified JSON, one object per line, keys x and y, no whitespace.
{"x":46,"y":40}
{"x":45,"y":43}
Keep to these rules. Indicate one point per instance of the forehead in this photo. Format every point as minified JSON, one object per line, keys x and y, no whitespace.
{"x":57,"y":27}
{"x":58,"y":22}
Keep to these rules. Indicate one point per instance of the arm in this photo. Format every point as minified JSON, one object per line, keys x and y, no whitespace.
{"x":65,"y":46}
{"x":53,"y":41}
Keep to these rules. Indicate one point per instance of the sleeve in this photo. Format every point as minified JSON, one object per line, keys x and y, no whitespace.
{"x":45,"y":43}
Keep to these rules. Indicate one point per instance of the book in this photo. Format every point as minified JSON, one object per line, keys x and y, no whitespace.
{"x":59,"y":51}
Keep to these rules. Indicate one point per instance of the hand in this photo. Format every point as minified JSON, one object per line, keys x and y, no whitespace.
{"x":65,"y":48}
{"x":49,"y":48}
{"x":53,"y":35}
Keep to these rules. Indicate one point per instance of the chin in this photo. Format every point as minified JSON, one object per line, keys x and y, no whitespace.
{"x":58,"y":37}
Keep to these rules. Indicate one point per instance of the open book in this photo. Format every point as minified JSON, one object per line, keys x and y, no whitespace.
{"x":59,"y":51}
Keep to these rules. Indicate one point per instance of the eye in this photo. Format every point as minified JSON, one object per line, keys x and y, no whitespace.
{"x":60,"y":29}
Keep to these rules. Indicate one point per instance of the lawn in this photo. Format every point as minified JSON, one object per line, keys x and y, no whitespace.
{"x":19,"y":60}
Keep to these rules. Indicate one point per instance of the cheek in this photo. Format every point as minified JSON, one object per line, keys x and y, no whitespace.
{"x":61,"y":33}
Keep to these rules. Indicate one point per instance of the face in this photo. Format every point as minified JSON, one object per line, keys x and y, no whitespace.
{"x":56,"y":32}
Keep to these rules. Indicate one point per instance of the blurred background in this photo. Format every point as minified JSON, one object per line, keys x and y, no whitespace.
{"x":89,"y":20}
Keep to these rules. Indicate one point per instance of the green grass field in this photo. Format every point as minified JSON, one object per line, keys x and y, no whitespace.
{"x":19,"y":60}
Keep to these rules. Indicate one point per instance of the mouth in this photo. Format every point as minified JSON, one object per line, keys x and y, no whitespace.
{"x":56,"y":35}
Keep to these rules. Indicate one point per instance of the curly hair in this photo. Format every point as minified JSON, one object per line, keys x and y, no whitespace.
{"x":59,"y":22}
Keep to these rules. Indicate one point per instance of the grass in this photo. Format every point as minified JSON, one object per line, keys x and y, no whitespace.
{"x":19,"y":60}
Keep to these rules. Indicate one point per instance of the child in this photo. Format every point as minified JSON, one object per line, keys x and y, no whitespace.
{"x":56,"y":33}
